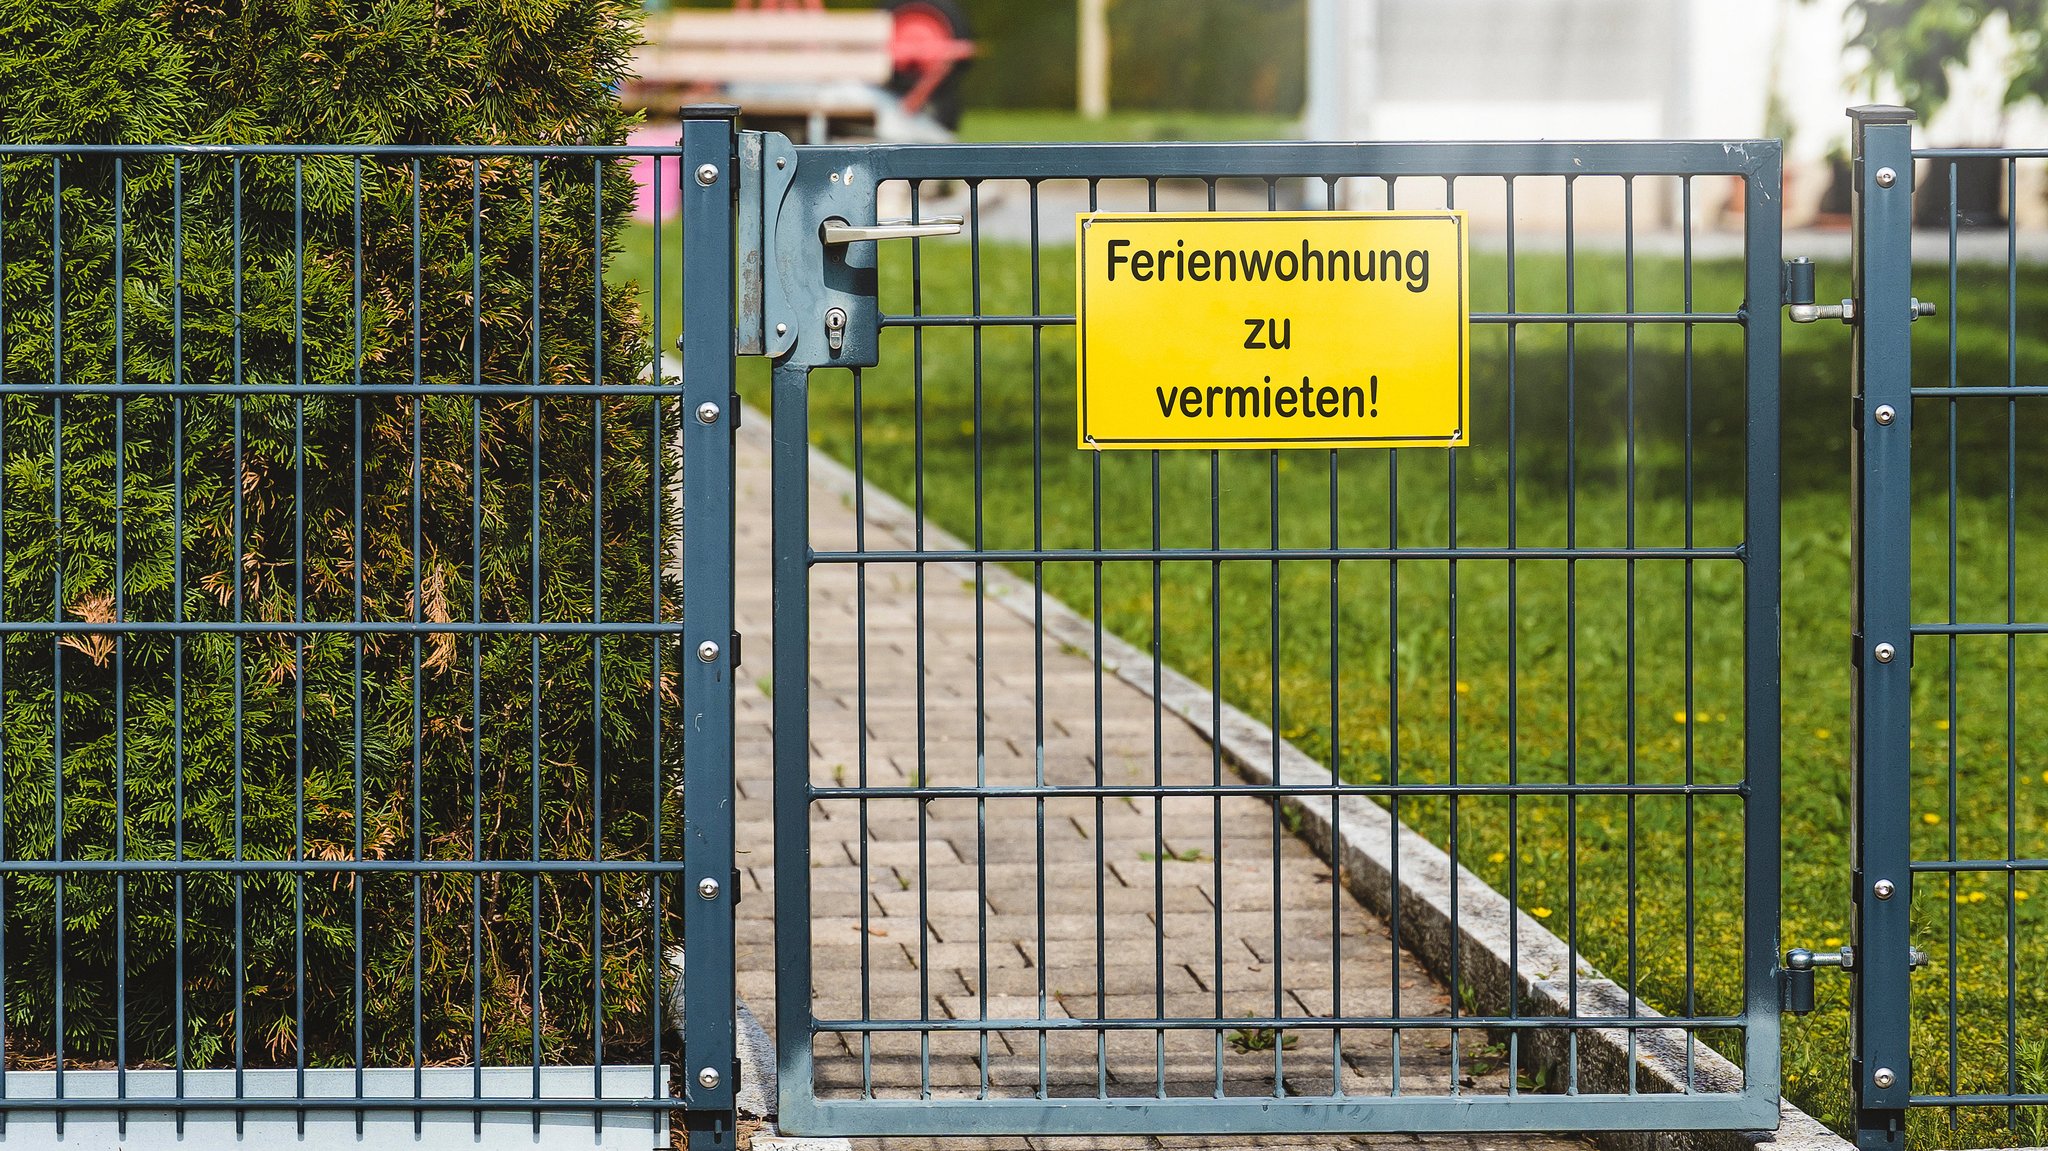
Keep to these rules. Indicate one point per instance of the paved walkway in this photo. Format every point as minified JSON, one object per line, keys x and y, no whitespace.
{"x":1192,"y":907}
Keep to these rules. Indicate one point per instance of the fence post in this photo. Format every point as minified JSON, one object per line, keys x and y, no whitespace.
{"x":709,"y":1067}
{"x":1881,"y":437}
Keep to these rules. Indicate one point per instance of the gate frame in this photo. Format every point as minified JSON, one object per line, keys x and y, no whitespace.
{"x":789,"y":279}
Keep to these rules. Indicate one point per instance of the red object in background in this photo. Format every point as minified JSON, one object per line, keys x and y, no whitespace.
{"x":925,"y":45}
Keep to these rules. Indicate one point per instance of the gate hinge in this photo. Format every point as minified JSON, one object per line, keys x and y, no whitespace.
{"x":1795,"y":292}
{"x":1795,"y":979}
{"x":1808,"y":313}
{"x":1795,"y":987}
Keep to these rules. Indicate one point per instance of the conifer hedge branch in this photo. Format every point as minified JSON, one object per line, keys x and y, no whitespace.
{"x":361,"y":278}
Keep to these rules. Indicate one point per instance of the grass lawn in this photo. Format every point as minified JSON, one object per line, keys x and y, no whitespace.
{"x":1597,"y":672}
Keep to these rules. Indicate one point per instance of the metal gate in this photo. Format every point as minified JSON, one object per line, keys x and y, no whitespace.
{"x":1945,"y":646}
{"x":960,"y":950}
{"x":347,"y":519}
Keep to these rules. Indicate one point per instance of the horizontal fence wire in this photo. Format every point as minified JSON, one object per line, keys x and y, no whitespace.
{"x":1064,"y":899}
{"x":337,"y":631}
{"x":1978,"y":1014}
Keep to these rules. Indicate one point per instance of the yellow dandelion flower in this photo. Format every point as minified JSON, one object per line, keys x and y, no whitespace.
{"x":1678,"y":717}
{"x":1823,"y":733}
{"x":1540,"y":912}
{"x":1941,"y":725}
{"x":2020,"y":895}
{"x":1975,"y":897}
{"x":1464,"y":688}
{"x":1929,"y":818}
{"x":1497,"y":857}
{"x":1834,"y":941}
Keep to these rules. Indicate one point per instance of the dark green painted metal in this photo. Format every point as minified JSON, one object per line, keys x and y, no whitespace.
{"x":1994,"y":1077}
{"x":272,"y":188}
{"x":709,"y":1040}
{"x":1881,"y":274}
{"x":841,"y":181}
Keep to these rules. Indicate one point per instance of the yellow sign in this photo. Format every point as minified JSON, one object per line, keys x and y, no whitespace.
{"x":1273,"y":329}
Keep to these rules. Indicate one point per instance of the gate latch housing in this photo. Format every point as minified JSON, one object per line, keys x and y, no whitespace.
{"x":809,"y":232}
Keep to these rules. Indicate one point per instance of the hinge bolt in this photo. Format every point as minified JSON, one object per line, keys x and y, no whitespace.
{"x":1886,"y":177}
{"x":709,"y":1078}
{"x":1884,"y":652}
{"x":707,"y":887}
{"x":1886,"y":414}
{"x":707,"y":413}
{"x":708,"y":651}
{"x":707,"y":174}
{"x":1883,"y":888}
{"x":782,"y":329}
{"x":1883,"y":1077}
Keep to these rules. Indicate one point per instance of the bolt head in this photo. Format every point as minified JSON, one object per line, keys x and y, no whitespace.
{"x":1883,"y":888}
{"x":709,"y":1078}
{"x":707,"y":412}
{"x":1884,"y":1077}
{"x":707,"y":887}
{"x":707,"y":651}
{"x":1886,"y":177}
{"x":782,"y":161}
{"x":782,"y":329}
{"x":707,"y":174}
{"x":1885,"y":414}
{"x":1885,"y":652}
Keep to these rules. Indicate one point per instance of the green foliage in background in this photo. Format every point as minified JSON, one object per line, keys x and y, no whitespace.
{"x":1914,"y":43}
{"x":1204,"y":55}
{"x":206,"y":273}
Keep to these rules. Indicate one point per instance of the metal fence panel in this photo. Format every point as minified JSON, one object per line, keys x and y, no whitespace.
{"x":1947,"y":834}
{"x":341,"y":688}
{"x":1617,"y":516}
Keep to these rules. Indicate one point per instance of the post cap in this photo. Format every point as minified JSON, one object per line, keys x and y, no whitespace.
{"x":709,"y":112}
{"x":1882,"y":114}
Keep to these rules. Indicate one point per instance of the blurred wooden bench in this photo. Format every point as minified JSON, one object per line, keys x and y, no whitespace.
{"x":816,"y":74}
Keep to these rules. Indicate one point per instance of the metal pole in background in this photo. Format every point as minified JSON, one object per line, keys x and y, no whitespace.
{"x":1881,"y":437}
{"x":709,"y":1067}
{"x":1094,"y":59}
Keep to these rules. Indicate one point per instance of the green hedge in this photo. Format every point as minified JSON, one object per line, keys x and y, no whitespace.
{"x":391,"y":508}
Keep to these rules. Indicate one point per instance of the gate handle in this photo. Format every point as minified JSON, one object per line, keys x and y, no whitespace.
{"x":838,"y":231}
